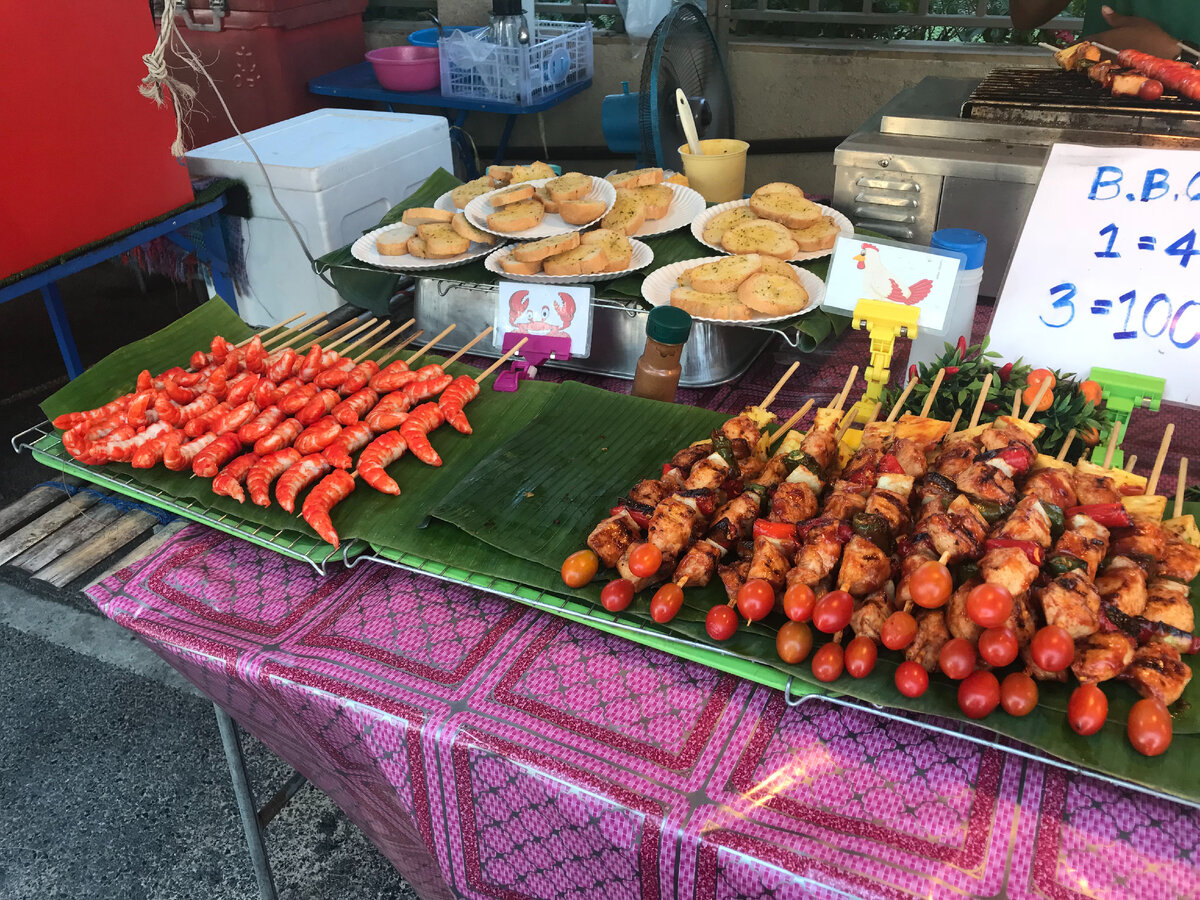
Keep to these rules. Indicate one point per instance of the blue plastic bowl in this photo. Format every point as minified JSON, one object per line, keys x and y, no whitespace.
{"x":428,"y":37}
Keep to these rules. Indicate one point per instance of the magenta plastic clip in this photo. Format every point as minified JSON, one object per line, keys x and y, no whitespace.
{"x":538,"y":348}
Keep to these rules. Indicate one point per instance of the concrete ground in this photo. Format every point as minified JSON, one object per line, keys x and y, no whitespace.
{"x":112,"y":779}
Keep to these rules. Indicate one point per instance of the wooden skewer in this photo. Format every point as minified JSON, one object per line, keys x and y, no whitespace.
{"x":1049,"y":47}
{"x":844,"y":426}
{"x":933,"y":389}
{"x":345,"y":351}
{"x":467,"y":346}
{"x":954,"y":420}
{"x":328,"y":336}
{"x":774,"y":392}
{"x":1062,"y":451}
{"x":875,"y":411}
{"x":912,"y":383}
{"x":345,"y":337}
{"x":1163,"y":448}
{"x":1037,"y":400}
{"x":1179,"y":487}
{"x":792,"y":420}
{"x":445,"y":331}
{"x":1186,"y":49}
{"x":404,"y":343}
{"x":295,"y":334}
{"x":840,"y":400}
{"x":269,"y":330}
{"x":1113,"y":437}
{"x":983,"y":395}
{"x":1108,"y":49}
{"x":498,"y":363}
{"x":385,"y":339}
{"x":944,"y":558}
{"x":1130,"y":463}
{"x":1016,"y":412}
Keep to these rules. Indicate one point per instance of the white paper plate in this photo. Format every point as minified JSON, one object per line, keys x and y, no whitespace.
{"x":642,"y":257}
{"x":698,"y":228}
{"x":364,"y":250}
{"x":685,"y":206}
{"x":657,"y":287}
{"x":478,"y":210}
{"x":446,"y":202}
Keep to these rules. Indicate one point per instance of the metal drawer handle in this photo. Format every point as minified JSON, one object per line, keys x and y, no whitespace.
{"x":886,"y":200}
{"x":884,"y":215}
{"x":885,"y":184}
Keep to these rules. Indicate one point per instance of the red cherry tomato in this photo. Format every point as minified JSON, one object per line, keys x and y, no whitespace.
{"x":721,"y":623}
{"x":978,"y":694}
{"x":665,"y":603}
{"x":617,"y":595}
{"x":860,"y":655}
{"x":1052,"y":648}
{"x":1018,"y":694}
{"x":957,"y":658}
{"x":989,"y":605}
{"x":911,"y":679}
{"x":998,"y":646}
{"x":898,"y":631}
{"x":931,"y":585}
{"x":794,"y":642}
{"x":799,"y":602}
{"x":579,"y":568}
{"x":644,"y":559}
{"x":1087,"y":709}
{"x":828,"y":661}
{"x":832,"y":612}
{"x":1149,"y":727}
{"x":755,"y":599}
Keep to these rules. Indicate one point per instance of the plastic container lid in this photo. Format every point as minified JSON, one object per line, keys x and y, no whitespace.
{"x":964,"y":240}
{"x":668,"y":325}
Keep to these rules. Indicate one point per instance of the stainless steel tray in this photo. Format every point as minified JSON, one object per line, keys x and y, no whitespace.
{"x":714,"y":354}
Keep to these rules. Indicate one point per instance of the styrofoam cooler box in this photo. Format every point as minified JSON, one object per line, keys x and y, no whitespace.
{"x":336,"y":172}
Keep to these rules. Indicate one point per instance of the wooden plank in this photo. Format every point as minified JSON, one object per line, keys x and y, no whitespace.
{"x":87,"y":554}
{"x":71,"y":535}
{"x":141,"y":551}
{"x":34,"y":503}
{"x":45,"y":524}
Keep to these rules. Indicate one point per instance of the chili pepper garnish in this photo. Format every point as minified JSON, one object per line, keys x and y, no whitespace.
{"x":1110,"y":515}
{"x":1033,"y":552}
{"x":780,"y":531}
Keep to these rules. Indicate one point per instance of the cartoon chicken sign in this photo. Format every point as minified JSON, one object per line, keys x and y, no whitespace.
{"x":880,"y":284}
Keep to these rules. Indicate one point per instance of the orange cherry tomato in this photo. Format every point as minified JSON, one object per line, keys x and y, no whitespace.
{"x":794,"y":642}
{"x":579,"y":568}
{"x":989,"y":605}
{"x":931,"y":585}
{"x":799,"y":602}
{"x":1018,"y":694}
{"x":898,"y":631}
{"x":1092,"y":392}
{"x":1087,"y":709}
{"x":644,"y":559}
{"x":1149,"y":727}
{"x":860,"y":656}
{"x":1030,"y":394}
{"x":828,"y":662}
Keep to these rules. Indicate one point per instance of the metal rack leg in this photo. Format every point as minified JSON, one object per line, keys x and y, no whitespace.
{"x":232,"y":744}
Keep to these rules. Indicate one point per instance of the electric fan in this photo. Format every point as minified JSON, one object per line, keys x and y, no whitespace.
{"x":681,"y":53}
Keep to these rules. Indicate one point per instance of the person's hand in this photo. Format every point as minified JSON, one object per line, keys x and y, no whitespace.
{"x":1134,"y":32}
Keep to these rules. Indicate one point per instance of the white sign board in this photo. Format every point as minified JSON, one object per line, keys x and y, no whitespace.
{"x":547,"y":310}
{"x":899,"y":273}
{"x":1107,"y":270}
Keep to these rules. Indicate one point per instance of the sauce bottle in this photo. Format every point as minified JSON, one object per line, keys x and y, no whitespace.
{"x":658,"y":371}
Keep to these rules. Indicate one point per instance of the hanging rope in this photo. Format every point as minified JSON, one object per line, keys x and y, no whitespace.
{"x":158,"y":77}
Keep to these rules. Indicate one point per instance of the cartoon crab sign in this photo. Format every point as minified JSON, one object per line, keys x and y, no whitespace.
{"x":544,"y":319}
{"x":547,"y":310}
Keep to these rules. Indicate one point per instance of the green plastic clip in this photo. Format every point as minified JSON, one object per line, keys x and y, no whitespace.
{"x":1123,"y":393}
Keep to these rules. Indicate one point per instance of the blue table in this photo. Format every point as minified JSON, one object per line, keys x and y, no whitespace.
{"x":46,"y":280}
{"x":358,"y":82}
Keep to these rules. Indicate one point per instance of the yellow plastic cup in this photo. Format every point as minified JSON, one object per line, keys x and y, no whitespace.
{"x":719,"y":174}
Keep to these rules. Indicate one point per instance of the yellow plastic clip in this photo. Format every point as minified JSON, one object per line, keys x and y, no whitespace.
{"x":885,"y":322}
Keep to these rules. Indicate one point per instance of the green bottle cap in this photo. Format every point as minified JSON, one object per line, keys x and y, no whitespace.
{"x":668,"y":325}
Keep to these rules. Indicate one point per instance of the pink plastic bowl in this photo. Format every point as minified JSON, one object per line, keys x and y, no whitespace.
{"x":406,"y":68}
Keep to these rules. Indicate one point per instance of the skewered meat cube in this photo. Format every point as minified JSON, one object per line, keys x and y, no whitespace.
{"x":699,"y":563}
{"x":1071,"y":602}
{"x":751,"y":468}
{"x":707,"y":474}
{"x":689,"y":456}
{"x":870,"y":614}
{"x":935,"y":494}
{"x":674,"y":525}
{"x":793,"y":502}
{"x":819,"y":554}
{"x":1143,"y":541}
{"x":770,"y":561}
{"x":733,"y":577}
{"x":891,"y":506}
{"x":773,"y":472}
{"x":1179,"y":560}
{"x":863,"y":466}
{"x":743,"y":428}
{"x":865,"y":568}
{"x":1158,"y":671}
{"x":1123,"y":584}
{"x":1094,"y":488}
{"x":1167,"y":601}
{"x":932,"y":635}
{"x":984,"y":481}
{"x":845,"y":501}
{"x":821,"y":445}
{"x":960,"y":624}
{"x":1029,"y":521}
{"x":1085,"y":539}
{"x":960,"y":531}
{"x":733,"y":522}
{"x":1102,"y":656}
{"x":1021,"y":620}
{"x":955,"y":458}
{"x":1052,"y":486}
{"x":612,"y":537}
{"x":1003,"y":434}
{"x":649,"y":492}
{"x":910,"y":456}
{"x":1008,"y":567}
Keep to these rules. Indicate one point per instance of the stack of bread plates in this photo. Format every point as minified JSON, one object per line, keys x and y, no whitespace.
{"x":443,"y":244}
{"x":522,"y":212}
{"x":750,"y":289}
{"x":782,"y":223}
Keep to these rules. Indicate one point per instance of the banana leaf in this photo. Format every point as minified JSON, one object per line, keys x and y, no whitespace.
{"x":537,"y":497}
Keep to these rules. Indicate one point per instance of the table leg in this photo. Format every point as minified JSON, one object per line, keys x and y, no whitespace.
{"x":502,"y":147}
{"x":242,"y":792}
{"x":218,"y":259}
{"x":62,"y":329}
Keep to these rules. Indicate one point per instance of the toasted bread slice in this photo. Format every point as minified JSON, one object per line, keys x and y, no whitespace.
{"x":777,"y":266}
{"x":760,"y":236}
{"x":532,"y":172}
{"x":417,"y":248}
{"x":536,"y":251}
{"x":627,"y":215}
{"x":442,"y":240}
{"x":657,"y":198}
{"x":723,"y":305}
{"x":583,"y":260}
{"x":821,"y":235}
{"x":518,"y":267}
{"x":636,"y":178}
{"x":778,"y":187}
{"x":786,"y":209}
{"x":500,"y":175}
{"x":772,"y":295}
{"x":425,"y":215}
{"x":716,"y":227}
{"x":465,"y":193}
{"x":571,"y":186}
{"x":616,"y":246}
{"x":464,"y":228}
{"x":724,"y":275}
{"x":547,"y":201}
{"x":519,"y":216}
{"x":394,"y":241}
{"x":511,"y":195}
{"x":581,"y":212}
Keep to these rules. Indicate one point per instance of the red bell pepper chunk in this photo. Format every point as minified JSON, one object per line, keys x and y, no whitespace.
{"x":890,"y":465}
{"x":732,"y":487}
{"x":667,"y":467}
{"x":642,"y":520}
{"x":1018,"y":458}
{"x":1033,"y":552}
{"x":1110,"y":515}
{"x":782,"y":531}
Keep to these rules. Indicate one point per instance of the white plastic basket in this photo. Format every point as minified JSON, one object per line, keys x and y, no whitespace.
{"x":523,"y":75}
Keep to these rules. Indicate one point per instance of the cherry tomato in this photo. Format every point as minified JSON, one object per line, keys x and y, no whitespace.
{"x":1092,"y":392}
{"x":755,"y":599}
{"x":1030,"y":394}
{"x":1091,"y":437}
{"x":794,"y":642}
{"x":1052,"y":648}
{"x":898,"y":631}
{"x":828,"y":661}
{"x":998,"y":646}
{"x":644,"y":559}
{"x":1018,"y":694}
{"x":978,"y":694}
{"x":861,"y":654}
{"x":957,"y":658}
{"x":617,"y":594}
{"x":911,"y":679}
{"x":665,"y":603}
{"x":798,"y":602}
{"x":833,"y":611}
{"x":1149,"y":727}
{"x":931,"y":585}
{"x":579,"y":568}
{"x":1087,"y":709}
{"x":721,"y":623}
{"x":989,"y":605}
{"x":1035,"y":378}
